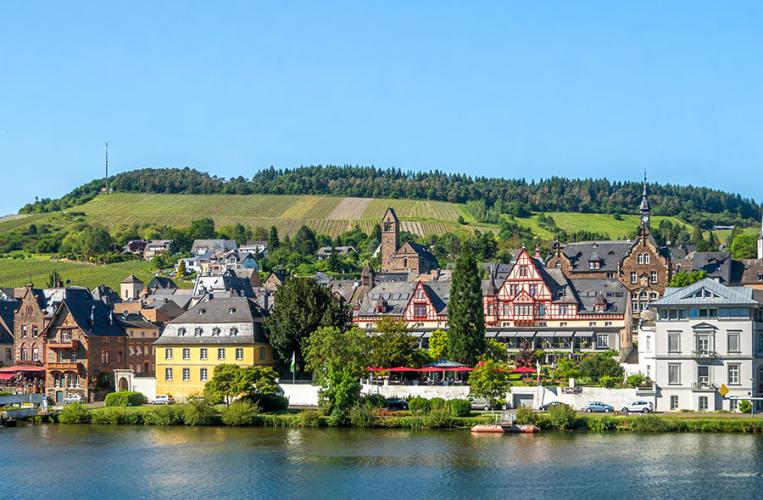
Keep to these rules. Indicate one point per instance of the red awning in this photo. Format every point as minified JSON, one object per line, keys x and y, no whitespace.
{"x":6,"y":376}
{"x":523,"y":369}
{"x":398,"y":369}
{"x":459,"y":369}
{"x":22,"y":368}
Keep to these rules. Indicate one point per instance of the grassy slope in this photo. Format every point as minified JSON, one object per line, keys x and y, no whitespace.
{"x":16,"y":272}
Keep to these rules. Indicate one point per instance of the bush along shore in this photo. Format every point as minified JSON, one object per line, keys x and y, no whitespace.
{"x":421,"y":416}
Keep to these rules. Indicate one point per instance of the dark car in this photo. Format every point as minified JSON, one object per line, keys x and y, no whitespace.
{"x":550,"y":405}
{"x":397,"y":404}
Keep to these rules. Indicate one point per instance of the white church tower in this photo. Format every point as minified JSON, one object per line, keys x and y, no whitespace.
{"x":760,"y":240}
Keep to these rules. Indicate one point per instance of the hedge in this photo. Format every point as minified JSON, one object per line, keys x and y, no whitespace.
{"x":125,"y":398}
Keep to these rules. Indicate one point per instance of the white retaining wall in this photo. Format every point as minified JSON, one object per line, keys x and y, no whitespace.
{"x":615,"y":397}
{"x":301,"y":394}
{"x":424,"y":391}
{"x":145,"y":385}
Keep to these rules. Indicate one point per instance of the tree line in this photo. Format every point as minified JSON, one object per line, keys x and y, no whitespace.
{"x":487,"y":198}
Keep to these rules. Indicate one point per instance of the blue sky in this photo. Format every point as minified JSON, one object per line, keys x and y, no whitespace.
{"x":511,"y":89}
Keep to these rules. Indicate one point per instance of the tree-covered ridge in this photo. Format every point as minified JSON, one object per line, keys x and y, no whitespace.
{"x":555,"y":194}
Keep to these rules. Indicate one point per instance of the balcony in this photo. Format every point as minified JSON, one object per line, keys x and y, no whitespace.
{"x":73,"y":366}
{"x":704,"y":354}
{"x":646,"y":390}
{"x":63,"y":344}
{"x":703,"y":387}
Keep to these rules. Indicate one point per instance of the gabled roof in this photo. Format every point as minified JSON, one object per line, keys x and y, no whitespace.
{"x":222,"y":310}
{"x":608,"y":253}
{"x":131,"y":279}
{"x":161,"y":282}
{"x":719,"y":295}
{"x":92,"y":316}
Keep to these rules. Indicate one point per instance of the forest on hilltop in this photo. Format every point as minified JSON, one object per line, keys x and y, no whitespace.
{"x":481,"y":194}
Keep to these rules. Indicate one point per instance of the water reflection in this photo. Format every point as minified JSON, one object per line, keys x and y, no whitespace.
{"x":172,"y":462}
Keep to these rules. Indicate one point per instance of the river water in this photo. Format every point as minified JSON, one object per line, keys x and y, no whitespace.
{"x":82,"y":461}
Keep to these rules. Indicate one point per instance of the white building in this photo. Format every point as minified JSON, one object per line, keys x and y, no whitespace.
{"x":704,"y":336}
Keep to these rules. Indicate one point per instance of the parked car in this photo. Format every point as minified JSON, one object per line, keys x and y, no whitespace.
{"x":598,"y":406}
{"x":163,"y":400}
{"x":550,"y":405}
{"x":73,"y":398}
{"x":397,"y":404}
{"x":640,"y":406}
{"x":484,"y":404}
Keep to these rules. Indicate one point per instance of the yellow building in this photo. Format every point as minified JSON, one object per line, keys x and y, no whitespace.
{"x":217,"y":331}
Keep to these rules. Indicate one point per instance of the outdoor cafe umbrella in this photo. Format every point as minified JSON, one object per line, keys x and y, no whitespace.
{"x":523,"y":369}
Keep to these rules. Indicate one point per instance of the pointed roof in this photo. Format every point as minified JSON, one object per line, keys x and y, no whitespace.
{"x":391,"y":212}
{"x":131,"y":279}
{"x":644,"y":197}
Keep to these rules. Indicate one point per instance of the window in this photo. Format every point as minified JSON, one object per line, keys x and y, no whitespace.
{"x":673,"y":402}
{"x":523,"y":271}
{"x":591,"y":323}
{"x":674,"y":374}
{"x":35,"y":332}
{"x":513,"y":290}
{"x":262,"y":354}
{"x":647,"y":258}
{"x":420,"y":310}
{"x":541,"y":310}
{"x":703,"y":343}
{"x":648,"y":343}
{"x":234,"y":332}
{"x":733,"y":341}
{"x":221,"y":353}
{"x":703,"y":376}
{"x":674,"y":342}
{"x":203,"y":375}
{"x":634,"y":278}
{"x":186,"y":353}
{"x":533,"y":290}
{"x":23,"y":331}
{"x":640,"y":258}
{"x":602,"y":341}
{"x":168,"y":374}
{"x":563,"y":310}
{"x":733,"y":404}
{"x":181,"y":332}
{"x":168,"y":353}
{"x":8,"y":353}
{"x":215,"y":332}
{"x":198,"y":331}
{"x":703,"y":403}
{"x":105,"y":357}
{"x":203,"y":353}
{"x":186,"y":374}
{"x":239,"y":354}
{"x":420,"y":294}
{"x":734,"y":373}
{"x":35,"y":353}
{"x":654,"y":277}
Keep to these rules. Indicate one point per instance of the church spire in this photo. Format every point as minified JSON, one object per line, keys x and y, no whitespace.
{"x":760,"y":238}
{"x":644,"y":208}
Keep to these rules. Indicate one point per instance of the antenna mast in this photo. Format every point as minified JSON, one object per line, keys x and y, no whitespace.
{"x":107,"y":167}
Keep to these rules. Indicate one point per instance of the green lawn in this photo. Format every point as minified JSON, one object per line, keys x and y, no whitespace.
{"x":16,"y":272}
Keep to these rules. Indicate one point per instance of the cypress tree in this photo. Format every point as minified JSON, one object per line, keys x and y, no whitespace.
{"x":466,"y":322}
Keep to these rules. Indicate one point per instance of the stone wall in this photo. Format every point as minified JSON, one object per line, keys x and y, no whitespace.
{"x":424,"y":391}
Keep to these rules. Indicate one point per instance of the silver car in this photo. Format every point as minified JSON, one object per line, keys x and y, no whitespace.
{"x":639,"y":406}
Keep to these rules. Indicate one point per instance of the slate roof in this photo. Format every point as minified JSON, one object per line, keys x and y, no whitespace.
{"x":726,"y":295}
{"x":92,"y":316}
{"x":213,"y":246}
{"x":106,"y":295}
{"x":396,"y":295}
{"x":227,"y":282}
{"x":219,"y":312}
{"x":161,"y":282}
{"x":717,"y":265}
{"x":161,"y":296}
{"x":610,"y":292}
{"x":135,"y":320}
{"x":7,"y":310}
{"x":608,"y":253}
{"x":751,"y":272}
{"x":131,"y":279}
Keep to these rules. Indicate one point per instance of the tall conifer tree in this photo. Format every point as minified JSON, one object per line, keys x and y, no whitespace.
{"x":466,"y":322}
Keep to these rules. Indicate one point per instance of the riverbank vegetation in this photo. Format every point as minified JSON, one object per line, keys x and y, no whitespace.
{"x":431,"y":415}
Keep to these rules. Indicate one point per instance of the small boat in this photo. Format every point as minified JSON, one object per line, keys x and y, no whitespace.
{"x":504,"y":428}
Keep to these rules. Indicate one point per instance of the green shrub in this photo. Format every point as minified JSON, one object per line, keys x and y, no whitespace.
{"x":601,"y":424}
{"x":745,"y":406}
{"x":648,"y":423}
{"x":435,"y":403}
{"x":74,"y":414}
{"x":164,"y":415}
{"x":362,"y":416}
{"x":107,"y":416}
{"x":525,"y":416}
{"x":310,"y":418}
{"x":280,"y":420}
{"x":375,"y":400}
{"x":131,"y":418}
{"x":241,"y":413}
{"x":635,"y":380}
{"x":609,"y":381}
{"x":125,"y":398}
{"x":460,"y":407}
{"x":419,"y":406}
{"x":198,"y":412}
{"x":438,"y":417}
{"x":561,"y":417}
{"x":271,"y":402}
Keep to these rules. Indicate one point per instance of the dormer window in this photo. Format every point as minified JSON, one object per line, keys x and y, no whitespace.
{"x":234,"y":332}
{"x":202,"y":311}
{"x":181,"y":332}
{"x":198,"y":331}
{"x":232,"y":310}
{"x":215,"y":332}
